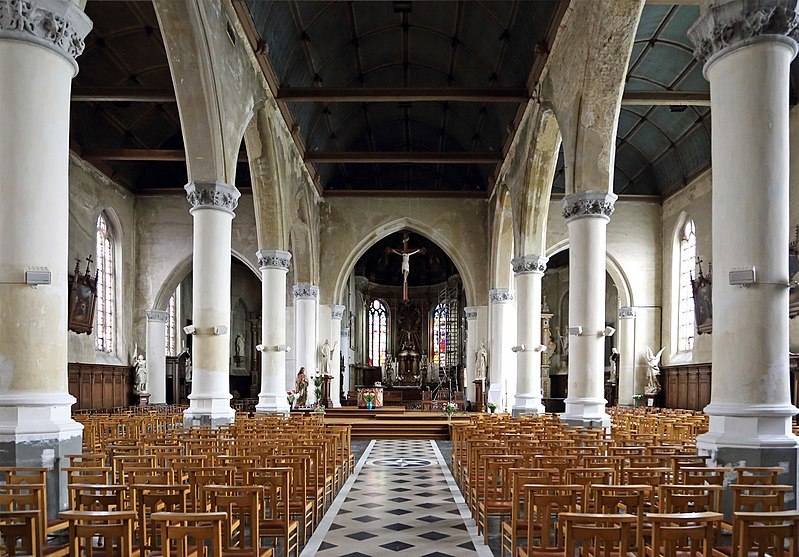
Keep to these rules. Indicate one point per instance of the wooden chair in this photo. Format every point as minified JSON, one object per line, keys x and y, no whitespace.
{"x":515,"y":529}
{"x":183,"y":533}
{"x":112,"y":529}
{"x":151,"y":498}
{"x":300,"y":500}
{"x":765,"y":475}
{"x":89,"y":497}
{"x":241,"y":533}
{"x":690,"y":498}
{"x":629,"y":499}
{"x":767,"y":533}
{"x":26,"y":497}
{"x":19,"y":532}
{"x":276,"y":521}
{"x":689,"y":534}
{"x":597,"y":534}
{"x":545,"y":503}
{"x":496,"y":490}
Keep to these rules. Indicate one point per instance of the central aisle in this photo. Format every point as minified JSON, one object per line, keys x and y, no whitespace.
{"x":401,"y":500}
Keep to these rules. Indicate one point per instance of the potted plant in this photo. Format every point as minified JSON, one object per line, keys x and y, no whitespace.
{"x":637,"y":399}
{"x":492,"y":407}
{"x":317,"y":391}
{"x":369,"y":398}
{"x":291,"y":397}
{"x":450,"y":409}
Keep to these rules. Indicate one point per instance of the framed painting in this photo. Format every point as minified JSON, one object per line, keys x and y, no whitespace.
{"x":82,"y":299}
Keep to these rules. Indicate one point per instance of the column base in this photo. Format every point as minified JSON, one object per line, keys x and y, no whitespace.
{"x":37,"y":430}
{"x":748,"y":426}
{"x":207,"y":411}
{"x":273,"y":402}
{"x":585,"y":411}
{"x":527,"y":404}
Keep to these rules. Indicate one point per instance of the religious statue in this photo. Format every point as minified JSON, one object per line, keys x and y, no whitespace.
{"x":615,"y":357}
{"x":652,"y":381}
{"x":238,"y":349}
{"x":301,"y":388}
{"x":481,"y":361}
{"x":140,"y":373}
{"x":327,"y":355}
{"x":405,"y":252}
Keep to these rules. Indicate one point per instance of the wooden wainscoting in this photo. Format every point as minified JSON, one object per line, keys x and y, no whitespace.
{"x":685,"y":386}
{"x":100,"y":387}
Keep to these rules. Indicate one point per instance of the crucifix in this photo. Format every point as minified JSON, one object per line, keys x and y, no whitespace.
{"x":405,"y":252}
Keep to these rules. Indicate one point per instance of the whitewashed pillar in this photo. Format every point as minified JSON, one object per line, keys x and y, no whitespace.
{"x":587,"y":214}
{"x":627,"y":381}
{"x":529,"y":271}
{"x":472,"y":342}
{"x":156,"y":355}
{"x":306,"y":300}
{"x":336,"y":313}
{"x":501,"y":359}
{"x":748,"y":46}
{"x":274,"y":265}
{"x":212,"y":209}
{"x":39,"y":43}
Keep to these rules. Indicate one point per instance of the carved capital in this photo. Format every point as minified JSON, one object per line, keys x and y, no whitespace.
{"x":529,"y":264}
{"x":157,"y":315}
{"x":305,"y":291}
{"x":471,"y":312}
{"x":273,"y":259}
{"x":500,"y":296}
{"x":628,"y":313}
{"x":588,"y":204}
{"x":59,"y":25}
{"x":212,"y":195}
{"x":336,"y":311}
{"x":742,"y":22}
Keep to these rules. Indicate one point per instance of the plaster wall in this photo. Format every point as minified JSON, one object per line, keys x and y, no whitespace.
{"x":350,"y":225}
{"x":694,"y":202}
{"x":91,"y":193}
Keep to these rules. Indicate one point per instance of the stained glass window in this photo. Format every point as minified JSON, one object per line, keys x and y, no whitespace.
{"x":104,"y":332}
{"x":440,"y":320}
{"x":377,"y":331}
{"x":170,"y":336}
{"x":686,"y":316}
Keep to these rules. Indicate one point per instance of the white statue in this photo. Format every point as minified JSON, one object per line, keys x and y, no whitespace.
{"x":239,"y":345}
{"x":140,"y":372}
{"x":615,"y":357}
{"x":327,"y":355}
{"x":481,"y":361}
{"x":652,"y":381}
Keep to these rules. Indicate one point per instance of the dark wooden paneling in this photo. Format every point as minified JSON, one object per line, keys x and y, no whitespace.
{"x":686,"y":386}
{"x":100,"y":387}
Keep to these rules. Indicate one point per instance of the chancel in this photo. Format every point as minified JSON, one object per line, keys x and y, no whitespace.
{"x":278,"y":246}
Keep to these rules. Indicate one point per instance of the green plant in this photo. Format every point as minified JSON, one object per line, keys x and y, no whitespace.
{"x":369,"y":397}
{"x":492,"y":406}
{"x":450,"y":409}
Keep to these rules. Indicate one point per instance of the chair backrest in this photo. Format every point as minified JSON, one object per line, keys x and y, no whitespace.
{"x":242,"y":505}
{"x":767,"y":533}
{"x":600,"y":535}
{"x":689,"y":498}
{"x":689,"y":534}
{"x":182,"y":533}
{"x":150,"y":498}
{"x":112,"y":529}
{"x":630,"y":499}
{"x":98,"y":497}
{"x":544,"y":505}
{"x":758,"y":474}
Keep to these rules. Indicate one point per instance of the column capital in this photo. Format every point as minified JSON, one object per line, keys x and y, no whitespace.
{"x":628,"y":312}
{"x":59,"y":25}
{"x":336,"y":311}
{"x":500,"y":295}
{"x":529,"y":264}
{"x":273,"y":259}
{"x":471,"y":312}
{"x":157,"y":315}
{"x":212,"y":195}
{"x":588,"y":204}
{"x":741,"y":22}
{"x":305,"y":291}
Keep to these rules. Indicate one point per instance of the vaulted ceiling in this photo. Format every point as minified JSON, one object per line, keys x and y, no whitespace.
{"x":392,"y":96}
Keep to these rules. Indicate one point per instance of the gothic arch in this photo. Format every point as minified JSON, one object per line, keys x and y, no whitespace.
{"x":467,"y":274}
{"x":502,"y":241}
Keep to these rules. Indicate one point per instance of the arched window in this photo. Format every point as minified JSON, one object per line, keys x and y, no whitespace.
{"x":170,"y":335}
{"x":440,"y":339}
{"x":686,"y":317}
{"x":104,"y":332}
{"x":377,"y":332}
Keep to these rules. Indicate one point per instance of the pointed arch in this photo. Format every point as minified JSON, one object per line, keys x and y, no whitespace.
{"x":502,"y":241}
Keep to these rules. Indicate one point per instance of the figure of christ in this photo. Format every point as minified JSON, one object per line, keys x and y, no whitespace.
{"x":405,"y":252}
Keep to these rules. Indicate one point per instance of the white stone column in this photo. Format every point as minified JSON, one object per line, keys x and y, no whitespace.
{"x":336,"y":313}
{"x":749,"y":45}
{"x":274,"y":266}
{"x":627,"y":381}
{"x":156,"y":355}
{"x":472,"y":342}
{"x":212,"y":209}
{"x":501,"y":359}
{"x":306,"y":298}
{"x":345,"y":352}
{"x":587,"y":214}
{"x":529,"y":271}
{"x":39,"y":43}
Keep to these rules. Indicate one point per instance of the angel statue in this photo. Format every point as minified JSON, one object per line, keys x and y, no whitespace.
{"x":652,"y":381}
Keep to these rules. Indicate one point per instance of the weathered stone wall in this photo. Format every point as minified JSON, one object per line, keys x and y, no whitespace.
{"x":90,"y":194}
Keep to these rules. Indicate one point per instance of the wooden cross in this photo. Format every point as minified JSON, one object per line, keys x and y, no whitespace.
{"x":405,"y":252}
{"x":89,"y":262}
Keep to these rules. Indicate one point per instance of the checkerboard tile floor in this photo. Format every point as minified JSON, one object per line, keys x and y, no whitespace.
{"x":402,"y":501}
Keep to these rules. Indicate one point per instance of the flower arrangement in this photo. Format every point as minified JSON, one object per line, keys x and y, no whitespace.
{"x":450,"y":409}
{"x":319,"y":409}
{"x":291,"y":396}
{"x":637,"y":399}
{"x":317,"y":389}
{"x":492,"y":407}
{"x":369,"y":397}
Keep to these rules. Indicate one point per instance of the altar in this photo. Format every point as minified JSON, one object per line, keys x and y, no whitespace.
{"x":363,"y":390}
